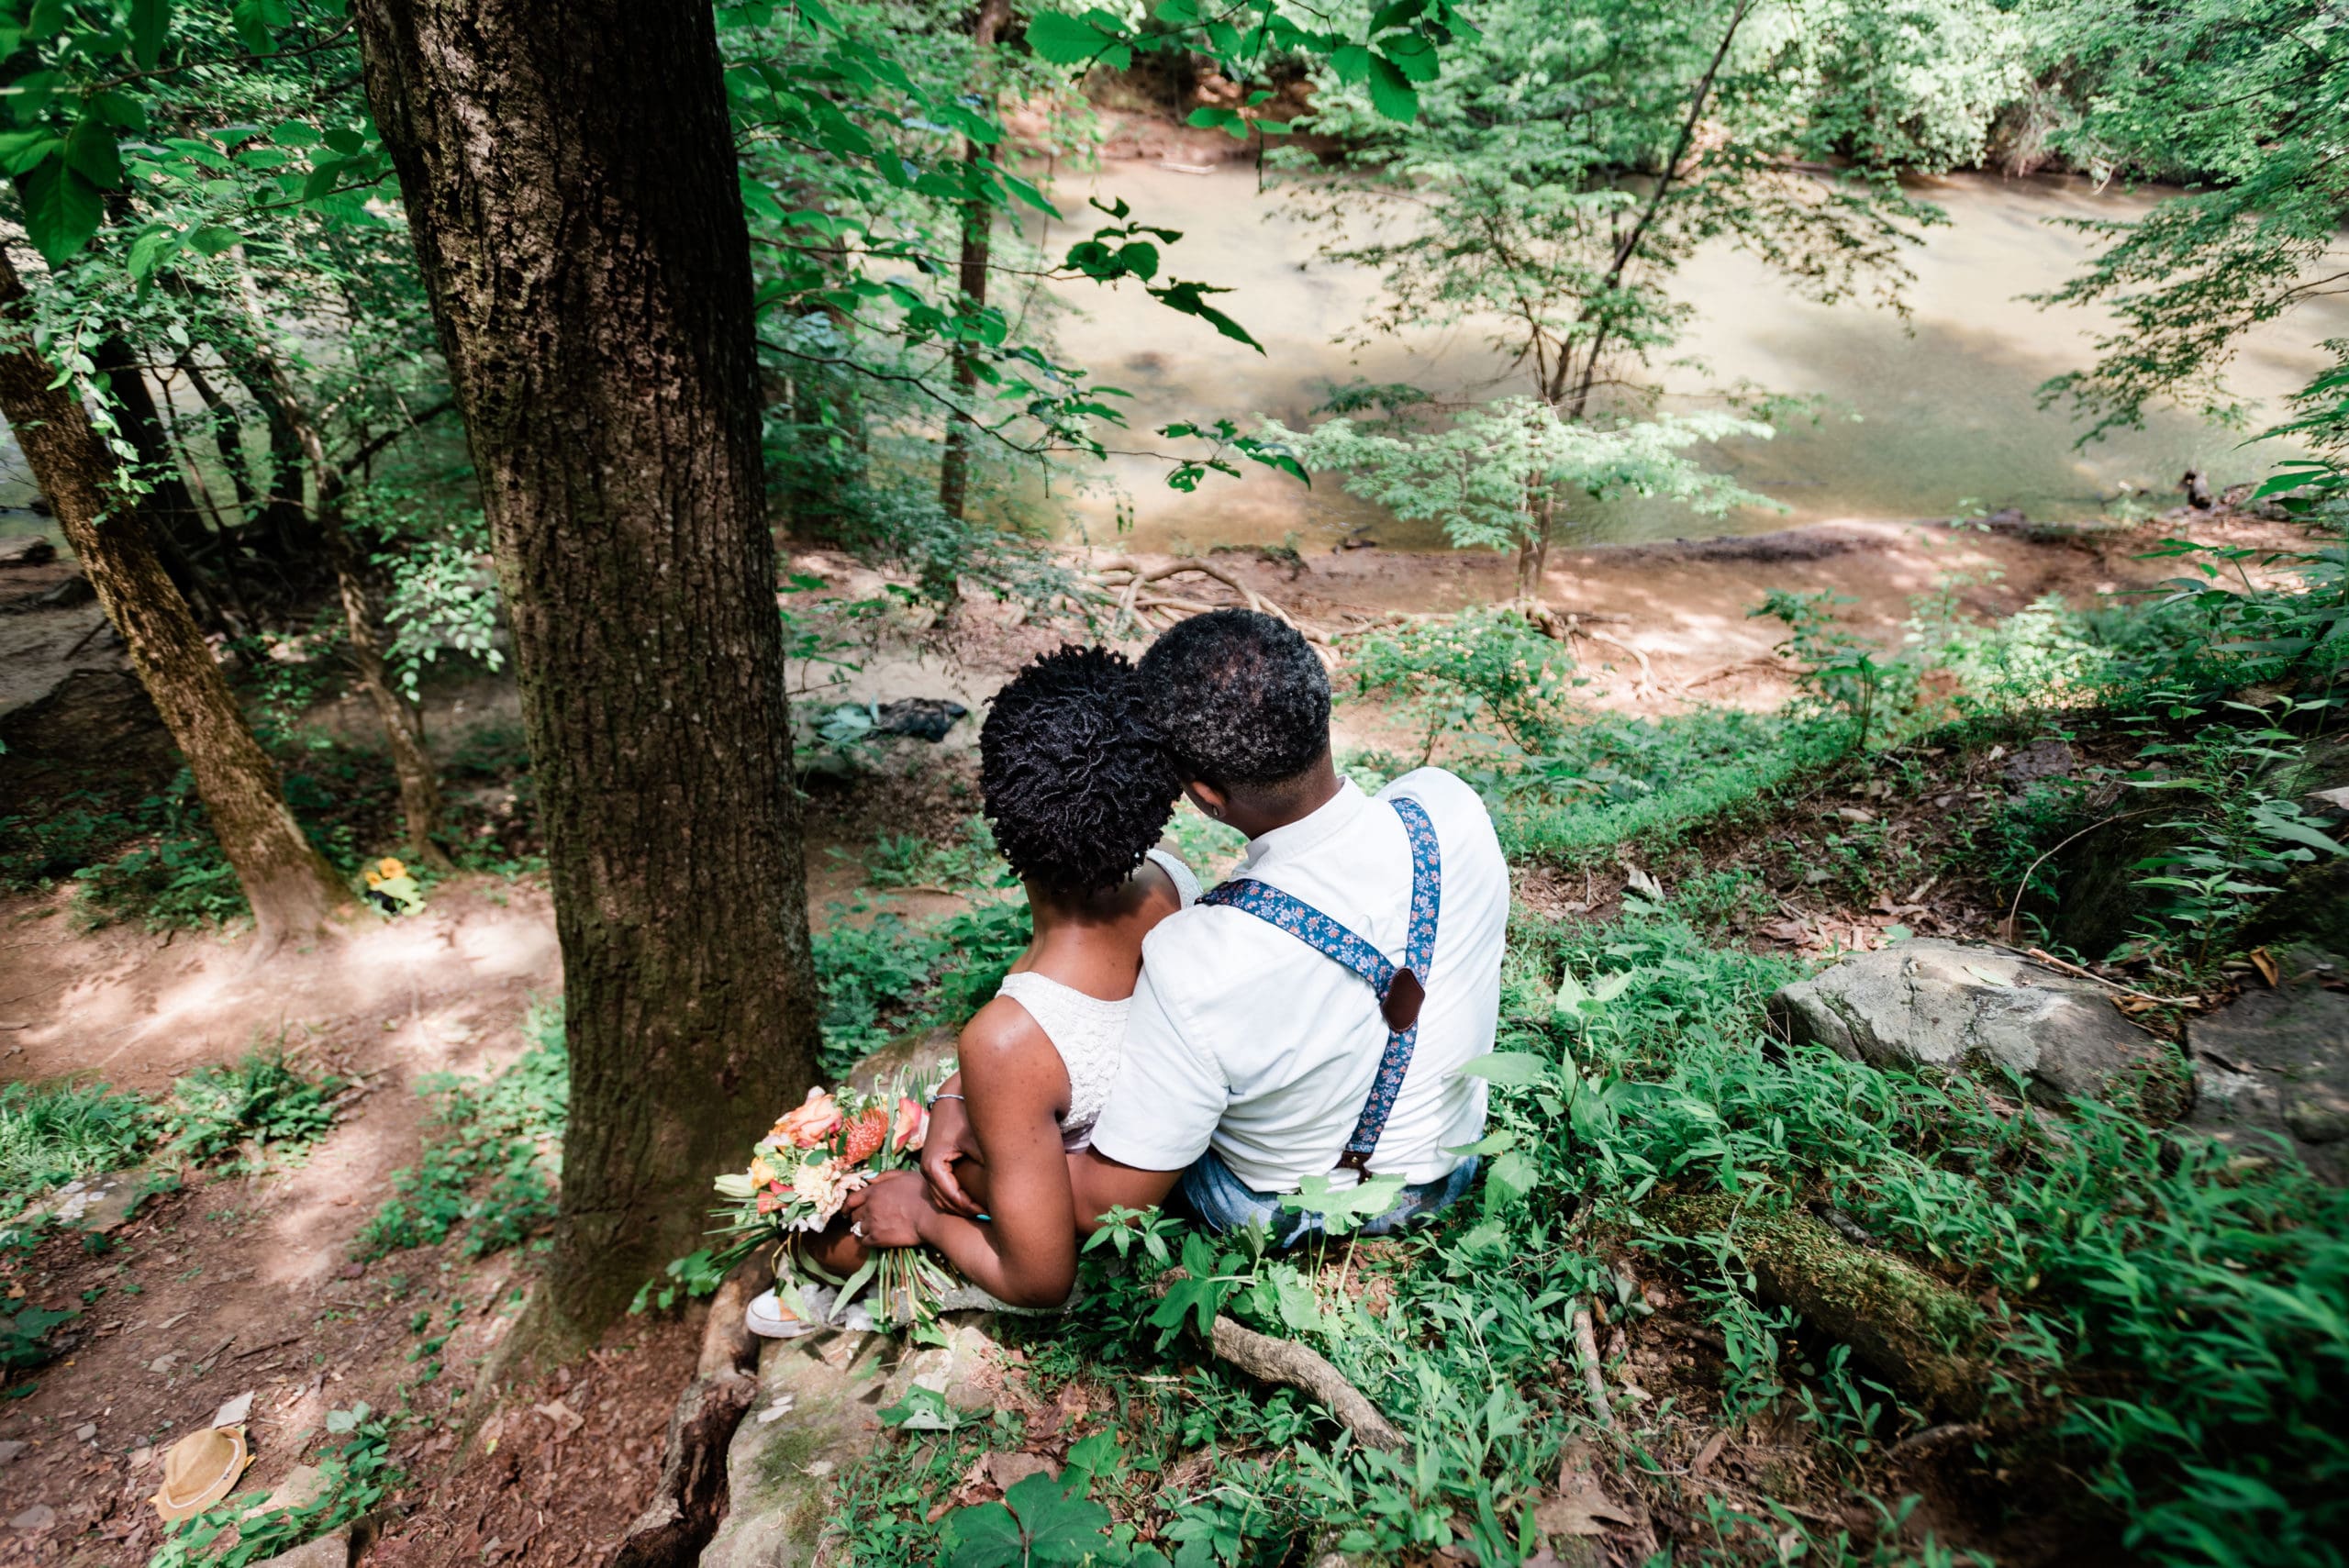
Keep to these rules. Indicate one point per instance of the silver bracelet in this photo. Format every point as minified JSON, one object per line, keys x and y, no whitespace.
{"x":935,"y":1098}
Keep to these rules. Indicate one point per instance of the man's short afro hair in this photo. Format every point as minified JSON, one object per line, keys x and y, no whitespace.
{"x":1076,"y":777}
{"x":1242,"y":699}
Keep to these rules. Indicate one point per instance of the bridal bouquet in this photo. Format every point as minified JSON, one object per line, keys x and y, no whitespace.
{"x":801,"y":1174}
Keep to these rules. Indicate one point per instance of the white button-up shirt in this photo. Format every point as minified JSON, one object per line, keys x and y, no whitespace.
{"x":1245,"y":1039}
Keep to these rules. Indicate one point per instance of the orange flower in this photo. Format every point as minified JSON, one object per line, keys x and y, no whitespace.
{"x":865,"y":1136}
{"x":810,"y":1123}
{"x":913,"y":1125}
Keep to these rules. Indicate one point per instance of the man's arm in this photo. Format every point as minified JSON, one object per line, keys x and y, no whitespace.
{"x":1099,"y":1185}
{"x":1162,"y":1111}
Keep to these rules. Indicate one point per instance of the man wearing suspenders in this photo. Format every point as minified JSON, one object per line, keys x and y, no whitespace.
{"x":1311,"y":1016}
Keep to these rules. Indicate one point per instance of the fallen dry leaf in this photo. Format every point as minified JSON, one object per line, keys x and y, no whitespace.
{"x":2265,"y":963}
{"x":562,"y":1418}
{"x":1580,"y":1504}
{"x":1706,"y":1455}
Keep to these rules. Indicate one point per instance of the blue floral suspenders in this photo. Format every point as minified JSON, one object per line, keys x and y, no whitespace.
{"x":1399,"y":991}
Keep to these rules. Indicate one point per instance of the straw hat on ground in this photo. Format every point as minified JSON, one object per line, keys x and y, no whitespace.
{"x":199,"y":1470}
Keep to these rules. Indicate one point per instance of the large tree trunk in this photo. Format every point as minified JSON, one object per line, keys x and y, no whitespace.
{"x":572,"y":188}
{"x":971,"y":277}
{"x":291,"y":887}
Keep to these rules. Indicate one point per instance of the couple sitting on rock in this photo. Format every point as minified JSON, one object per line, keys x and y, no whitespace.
{"x":1210,"y":1053}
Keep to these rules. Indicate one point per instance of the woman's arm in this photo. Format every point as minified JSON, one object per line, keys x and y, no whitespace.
{"x":1013,"y":1083}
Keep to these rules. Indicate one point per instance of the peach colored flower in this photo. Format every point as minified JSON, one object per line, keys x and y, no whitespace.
{"x":762,"y":1171}
{"x":824,"y":1186}
{"x":810,"y":1123}
{"x":913,"y":1125}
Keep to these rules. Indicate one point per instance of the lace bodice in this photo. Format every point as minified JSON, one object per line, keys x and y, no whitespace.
{"x":1088,"y":1031}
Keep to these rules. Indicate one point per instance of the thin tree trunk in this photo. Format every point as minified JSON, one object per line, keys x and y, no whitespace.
{"x":1627,"y":248}
{"x":971,"y":277}
{"x":292,"y":889}
{"x":421,"y":802}
{"x":412,"y":764}
{"x":572,"y":193}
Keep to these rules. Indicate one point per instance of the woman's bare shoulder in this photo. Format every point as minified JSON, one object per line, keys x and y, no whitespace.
{"x":1003,"y":1031}
{"x":1007,"y":1060}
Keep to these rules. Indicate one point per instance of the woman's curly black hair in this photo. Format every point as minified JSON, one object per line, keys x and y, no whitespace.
{"x":1077,"y":780}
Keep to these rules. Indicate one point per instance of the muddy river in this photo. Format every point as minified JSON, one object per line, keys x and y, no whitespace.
{"x":1919,"y":418}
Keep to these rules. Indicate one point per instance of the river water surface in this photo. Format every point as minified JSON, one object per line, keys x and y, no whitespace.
{"x":1924,"y":417}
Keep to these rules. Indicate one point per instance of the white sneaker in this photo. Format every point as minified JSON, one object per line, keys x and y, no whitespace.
{"x":769,"y":1318}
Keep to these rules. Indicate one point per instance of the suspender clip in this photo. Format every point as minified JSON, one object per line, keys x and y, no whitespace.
{"x":1400,"y":1006}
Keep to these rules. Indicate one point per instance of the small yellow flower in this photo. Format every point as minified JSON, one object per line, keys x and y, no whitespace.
{"x":390,"y":868}
{"x":373,"y":881}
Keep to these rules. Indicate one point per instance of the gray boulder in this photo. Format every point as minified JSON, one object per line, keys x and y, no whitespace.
{"x":1942,"y":1004}
{"x":819,"y":1409}
{"x":2271,"y":1068}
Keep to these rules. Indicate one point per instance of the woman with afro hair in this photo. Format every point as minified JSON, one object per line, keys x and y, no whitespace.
{"x":1078,"y":787}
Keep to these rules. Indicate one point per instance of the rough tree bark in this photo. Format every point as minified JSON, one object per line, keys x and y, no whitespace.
{"x":292,"y":889}
{"x":971,"y":277}
{"x":572,"y":188}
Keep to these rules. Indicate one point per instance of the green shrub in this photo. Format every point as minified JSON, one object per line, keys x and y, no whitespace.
{"x":260,"y":1100}
{"x":51,"y":1133}
{"x":889,"y":975}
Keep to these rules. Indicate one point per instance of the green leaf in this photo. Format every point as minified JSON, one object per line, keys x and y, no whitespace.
{"x":21,"y":149}
{"x":1390,"y":91}
{"x":61,"y":209}
{"x":119,"y":109}
{"x":212,"y":239}
{"x":1513,"y":1069}
{"x":257,"y":22}
{"x":1512,"y":1175}
{"x":150,"y":251}
{"x":1351,"y":63}
{"x":1190,"y":299}
{"x":48,"y":20}
{"x":922,"y":1411}
{"x":150,"y":24}
{"x":1061,"y":1524}
{"x":90,"y":147}
{"x":1491,"y":1143}
{"x":1414,"y":56}
{"x":1063,"y":39}
{"x":1343,"y":1209}
{"x":984,"y":1537}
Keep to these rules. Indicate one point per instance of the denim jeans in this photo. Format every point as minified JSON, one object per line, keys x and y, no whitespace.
{"x":1211,"y":1194}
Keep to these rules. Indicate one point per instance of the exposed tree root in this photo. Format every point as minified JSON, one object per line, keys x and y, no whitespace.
{"x":689,"y":1503}
{"x":1908,"y":1327}
{"x":1293,"y":1365}
{"x":1593,"y":1379}
{"x":1122,"y":581}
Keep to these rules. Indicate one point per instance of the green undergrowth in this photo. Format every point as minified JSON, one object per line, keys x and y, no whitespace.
{"x":264,"y":1109}
{"x":486,"y":1174}
{"x":2160,"y":1329}
{"x":53,"y":1133}
{"x":882,"y":974}
{"x":2168,"y":1326}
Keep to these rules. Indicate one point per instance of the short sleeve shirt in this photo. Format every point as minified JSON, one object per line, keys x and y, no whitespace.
{"x":1244,"y":1039}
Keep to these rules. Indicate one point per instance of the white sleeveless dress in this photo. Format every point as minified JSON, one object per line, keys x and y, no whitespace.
{"x":1089,"y":1032}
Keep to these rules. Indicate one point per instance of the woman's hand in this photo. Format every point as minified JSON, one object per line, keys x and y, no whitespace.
{"x":949,"y":1138}
{"x":890,"y":1210}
